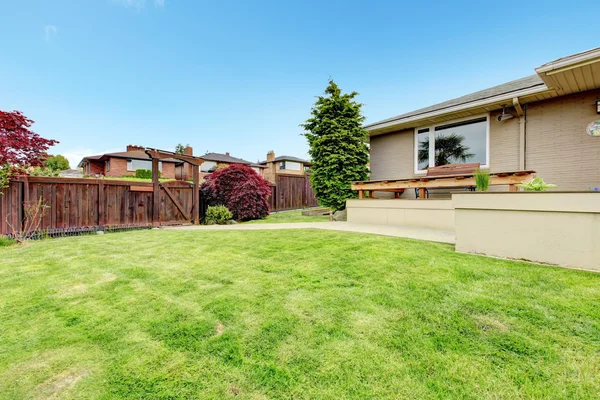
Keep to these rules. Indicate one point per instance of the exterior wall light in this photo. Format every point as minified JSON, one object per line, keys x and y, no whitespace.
{"x":597,"y":106}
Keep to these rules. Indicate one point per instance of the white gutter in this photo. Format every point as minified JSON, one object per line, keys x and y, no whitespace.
{"x":570,"y":62}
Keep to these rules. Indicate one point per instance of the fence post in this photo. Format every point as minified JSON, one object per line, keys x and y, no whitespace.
{"x":155,"y":193}
{"x":195,"y":195}
{"x":101,"y":217}
{"x":25,"y":201}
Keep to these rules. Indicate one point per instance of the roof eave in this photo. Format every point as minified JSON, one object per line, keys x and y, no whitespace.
{"x":573,"y":61}
{"x":415,"y":120}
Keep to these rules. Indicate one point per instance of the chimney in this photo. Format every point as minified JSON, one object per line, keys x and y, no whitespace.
{"x":227,"y":153}
{"x":270,"y":156}
{"x":188,"y":151}
{"x":135,"y":147}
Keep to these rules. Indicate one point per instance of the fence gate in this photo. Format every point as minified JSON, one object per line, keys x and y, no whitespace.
{"x":176,"y":203}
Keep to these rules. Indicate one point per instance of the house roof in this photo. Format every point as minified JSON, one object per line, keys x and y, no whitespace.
{"x":258,"y":165}
{"x":531,"y":81}
{"x":135,"y":155}
{"x":288,"y":158}
{"x":571,"y":74}
{"x":218,"y":157}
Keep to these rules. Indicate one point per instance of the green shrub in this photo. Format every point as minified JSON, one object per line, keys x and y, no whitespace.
{"x":144,"y":173}
{"x":482,"y":180}
{"x":6,"y":241}
{"x":536,"y":185}
{"x":218,"y":215}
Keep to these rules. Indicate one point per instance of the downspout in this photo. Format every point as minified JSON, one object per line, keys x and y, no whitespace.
{"x":522,"y":131}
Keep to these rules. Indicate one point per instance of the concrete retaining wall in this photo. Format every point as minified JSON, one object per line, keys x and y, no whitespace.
{"x":550,"y":227}
{"x":434,"y":214}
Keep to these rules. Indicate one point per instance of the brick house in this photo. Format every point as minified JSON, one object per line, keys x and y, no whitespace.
{"x":212,"y":161}
{"x":126,"y":163}
{"x":283,"y":165}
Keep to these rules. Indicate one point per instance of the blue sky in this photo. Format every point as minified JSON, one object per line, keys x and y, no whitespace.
{"x":241,"y":76}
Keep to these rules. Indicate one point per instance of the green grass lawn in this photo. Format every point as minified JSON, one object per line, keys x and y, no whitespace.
{"x":302,"y":314}
{"x":289,"y":216}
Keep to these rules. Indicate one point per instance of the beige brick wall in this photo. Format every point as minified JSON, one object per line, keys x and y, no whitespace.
{"x":392,"y":156}
{"x":558,"y":147}
{"x":504,"y":143}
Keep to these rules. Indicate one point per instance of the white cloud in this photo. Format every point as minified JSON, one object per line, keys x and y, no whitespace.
{"x":49,"y":30}
{"x":159,"y":3}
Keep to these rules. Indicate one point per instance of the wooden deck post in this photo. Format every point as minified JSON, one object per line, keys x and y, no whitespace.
{"x":422,"y":193}
{"x":513,"y":188}
{"x":196,"y":195}
{"x":361,"y":194}
{"x":155,"y":193}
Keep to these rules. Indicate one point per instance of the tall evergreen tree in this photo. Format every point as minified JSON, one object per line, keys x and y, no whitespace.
{"x":338,"y":146}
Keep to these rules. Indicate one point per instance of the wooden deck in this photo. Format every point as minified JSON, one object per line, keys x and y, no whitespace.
{"x":509,"y":178}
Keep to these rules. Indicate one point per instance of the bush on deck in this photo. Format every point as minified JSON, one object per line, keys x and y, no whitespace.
{"x":240,"y":189}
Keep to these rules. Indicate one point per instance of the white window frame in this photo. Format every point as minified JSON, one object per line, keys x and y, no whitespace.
{"x":432,"y":141}
{"x":130,"y":165}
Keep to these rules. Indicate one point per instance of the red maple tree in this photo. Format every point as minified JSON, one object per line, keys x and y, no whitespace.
{"x":19,"y":146}
{"x":240,"y":189}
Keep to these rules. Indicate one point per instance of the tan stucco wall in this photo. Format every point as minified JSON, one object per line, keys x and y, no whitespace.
{"x":557,"y":147}
{"x":555,"y":228}
{"x":433,"y":214}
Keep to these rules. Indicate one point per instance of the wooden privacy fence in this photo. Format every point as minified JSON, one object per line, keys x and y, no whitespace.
{"x":78,"y":203}
{"x":292,"y":192}
{"x":82,"y":203}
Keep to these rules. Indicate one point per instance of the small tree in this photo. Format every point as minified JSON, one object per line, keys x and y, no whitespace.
{"x":180,"y":148}
{"x":240,"y":189}
{"x":57,"y":163}
{"x":338,"y":146}
{"x":19,"y":146}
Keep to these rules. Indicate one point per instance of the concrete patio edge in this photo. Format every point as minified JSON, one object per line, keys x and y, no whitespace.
{"x":409,"y":232}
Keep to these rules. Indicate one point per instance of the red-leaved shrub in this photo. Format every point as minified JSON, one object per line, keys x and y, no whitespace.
{"x":240,"y":189}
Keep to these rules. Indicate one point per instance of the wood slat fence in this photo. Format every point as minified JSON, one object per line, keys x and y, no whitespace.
{"x":83,"y":203}
{"x":292,"y":192}
{"x":75,"y":203}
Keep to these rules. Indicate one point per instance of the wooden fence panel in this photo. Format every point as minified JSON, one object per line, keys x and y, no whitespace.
{"x":11,"y":207}
{"x":75,"y":203}
{"x":292,"y":192}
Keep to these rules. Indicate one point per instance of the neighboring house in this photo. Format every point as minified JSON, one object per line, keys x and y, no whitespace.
{"x":287,"y":165}
{"x":126,"y":163}
{"x":543,"y":122}
{"x":212,"y":161}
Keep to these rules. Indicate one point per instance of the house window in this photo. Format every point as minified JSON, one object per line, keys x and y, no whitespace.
{"x":208,"y":166}
{"x":458,"y":142}
{"x":134,"y":165}
{"x":107,"y":165}
{"x":290,"y":166}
